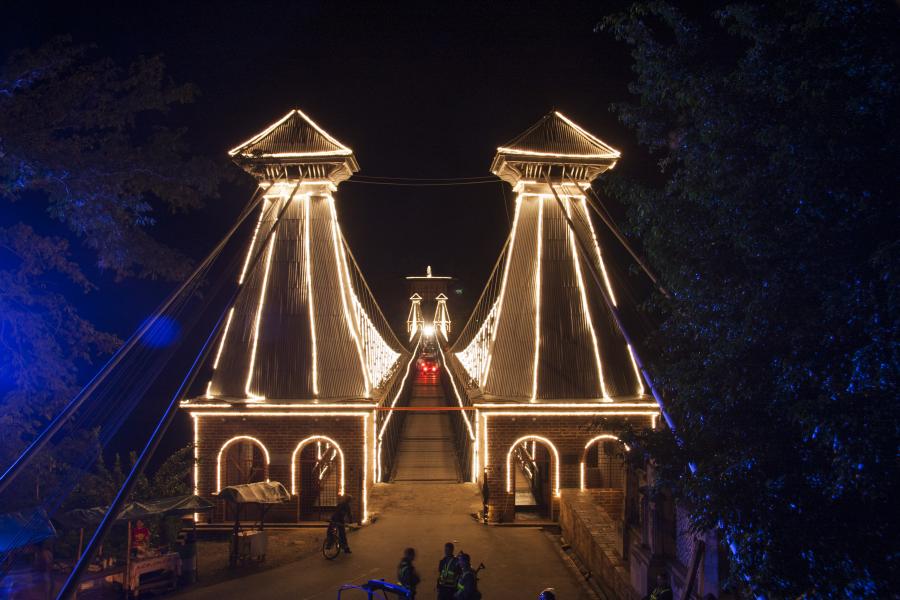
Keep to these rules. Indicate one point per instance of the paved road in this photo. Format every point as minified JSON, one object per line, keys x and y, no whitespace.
{"x":520,"y":561}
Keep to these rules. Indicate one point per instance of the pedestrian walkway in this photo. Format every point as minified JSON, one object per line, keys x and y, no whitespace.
{"x":519,"y":561}
{"x":426,"y":452}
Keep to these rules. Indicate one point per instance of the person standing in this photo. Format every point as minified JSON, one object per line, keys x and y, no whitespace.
{"x":341,"y":517}
{"x":406,"y":572}
{"x":467,"y":585}
{"x":140,"y":539}
{"x":662,"y":591}
{"x":448,"y":574}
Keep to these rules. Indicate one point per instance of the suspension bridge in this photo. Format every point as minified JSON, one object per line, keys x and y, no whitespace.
{"x":301,"y":379}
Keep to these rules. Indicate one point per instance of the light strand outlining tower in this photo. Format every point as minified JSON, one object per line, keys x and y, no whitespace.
{"x":415,"y":321}
{"x":441,"y":316}
{"x":541,"y":356}
{"x":304,"y":353}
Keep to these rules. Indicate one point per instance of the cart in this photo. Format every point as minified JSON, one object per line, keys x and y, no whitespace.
{"x":372,"y":588}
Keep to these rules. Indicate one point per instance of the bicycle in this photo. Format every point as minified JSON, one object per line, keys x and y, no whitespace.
{"x":331,"y":545}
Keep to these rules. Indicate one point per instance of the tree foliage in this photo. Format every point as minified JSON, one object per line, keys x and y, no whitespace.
{"x":774,"y":224}
{"x":87,"y":140}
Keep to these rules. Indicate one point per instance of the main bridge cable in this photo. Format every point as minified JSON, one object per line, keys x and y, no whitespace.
{"x":106,"y":410}
{"x":491,"y":284}
{"x":401,"y":184}
{"x":607,"y":220}
{"x":70,"y":586}
{"x":29,"y":453}
{"x":414,"y":179}
{"x":615,"y":313}
{"x":370,"y":296}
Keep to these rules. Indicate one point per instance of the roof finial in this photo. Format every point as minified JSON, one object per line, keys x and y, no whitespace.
{"x":428,"y":270}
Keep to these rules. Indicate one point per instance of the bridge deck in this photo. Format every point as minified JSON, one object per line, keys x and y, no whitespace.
{"x":426,"y":450}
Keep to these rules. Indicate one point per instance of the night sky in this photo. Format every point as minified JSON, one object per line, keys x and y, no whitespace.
{"x":416,"y":91}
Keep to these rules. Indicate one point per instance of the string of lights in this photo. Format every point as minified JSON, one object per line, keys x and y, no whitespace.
{"x":416,"y":179}
{"x":421,"y":183}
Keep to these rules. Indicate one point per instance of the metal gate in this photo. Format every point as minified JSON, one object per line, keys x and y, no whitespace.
{"x":244,"y":462}
{"x":320,"y":472}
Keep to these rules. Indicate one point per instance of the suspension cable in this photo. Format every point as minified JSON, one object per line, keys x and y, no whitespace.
{"x":69,"y":587}
{"x":28,"y":454}
{"x":607,"y":220}
{"x":598,"y":279}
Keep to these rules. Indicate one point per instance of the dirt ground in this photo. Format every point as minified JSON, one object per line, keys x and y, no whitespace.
{"x":285,"y":546}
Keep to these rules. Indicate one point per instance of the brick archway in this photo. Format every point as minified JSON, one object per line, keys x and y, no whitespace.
{"x":587,"y":447}
{"x":553,"y":451}
{"x":299,"y":449}
{"x":241,"y":438}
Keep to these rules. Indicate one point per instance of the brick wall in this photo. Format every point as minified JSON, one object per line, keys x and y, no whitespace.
{"x":280,"y":436}
{"x":594,"y":537}
{"x":569,"y":435}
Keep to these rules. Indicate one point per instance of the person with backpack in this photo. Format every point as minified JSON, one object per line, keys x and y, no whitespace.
{"x":340,"y":518}
{"x":406,"y":572}
{"x":448,"y":574}
{"x":467,"y":585}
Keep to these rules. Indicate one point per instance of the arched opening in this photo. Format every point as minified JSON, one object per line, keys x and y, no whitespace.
{"x":603,"y":463}
{"x":242,"y":459}
{"x":317,"y":477}
{"x":603,"y":471}
{"x":532,"y":476}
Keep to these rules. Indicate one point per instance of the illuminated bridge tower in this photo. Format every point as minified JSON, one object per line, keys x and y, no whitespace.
{"x":541,"y":360}
{"x":304,"y":355}
{"x":414,"y":321}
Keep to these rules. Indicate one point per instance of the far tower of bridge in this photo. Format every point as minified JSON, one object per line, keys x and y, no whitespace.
{"x":542,"y":361}
{"x":428,"y":296}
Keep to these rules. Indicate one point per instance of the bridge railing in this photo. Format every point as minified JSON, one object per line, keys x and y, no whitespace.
{"x":389,"y":424}
{"x":472,"y":347}
{"x":462,"y":421}
{"x":383,"y":352}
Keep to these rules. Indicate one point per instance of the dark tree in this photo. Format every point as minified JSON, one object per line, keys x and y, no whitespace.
{"x":774,"y":223}
{"x":86,"y":139}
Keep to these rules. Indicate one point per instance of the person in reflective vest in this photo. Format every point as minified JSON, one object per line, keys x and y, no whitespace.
{"x":406,"y":572}
{"x":467,"y":585}
{"x":448,"y":574}
{"x":662,"y":591}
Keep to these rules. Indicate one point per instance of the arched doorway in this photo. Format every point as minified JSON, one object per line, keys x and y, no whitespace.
{"x":242,"y":459}
{"x":603,"y":471}
{"x":603,"y":463}
{"x":317,"y":477}
{"x":532,"y":476}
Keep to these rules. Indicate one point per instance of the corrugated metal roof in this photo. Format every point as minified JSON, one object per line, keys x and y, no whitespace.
{"x":294,"y":134}
{"x":556,"y":134}
{"x":270,"y":347}
{"x":548,"y":294}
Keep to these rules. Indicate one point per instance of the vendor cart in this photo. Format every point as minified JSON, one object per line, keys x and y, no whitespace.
{"x":251,"y":544}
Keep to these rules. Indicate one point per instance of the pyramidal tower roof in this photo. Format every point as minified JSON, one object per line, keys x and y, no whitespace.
{"x":556,"y":135}
{"x":295,"y":134}
{"x":554,"y":146}
{"x":295,"y":144}
{"x":542,"y":332}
